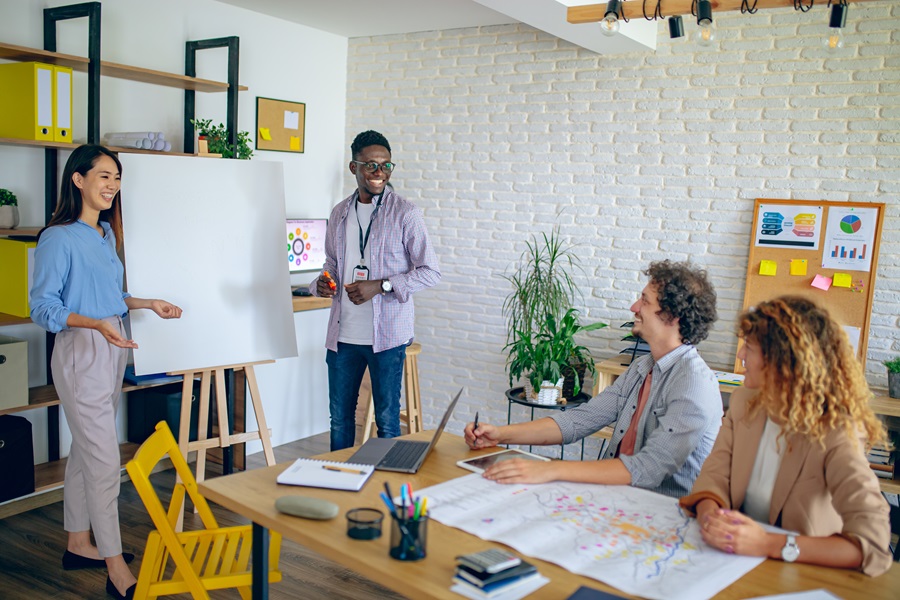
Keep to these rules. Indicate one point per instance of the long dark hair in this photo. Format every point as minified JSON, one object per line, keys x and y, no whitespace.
{"x":69,"y":206}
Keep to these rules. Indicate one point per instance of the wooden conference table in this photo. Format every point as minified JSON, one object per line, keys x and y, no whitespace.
{"x":252,"y":494}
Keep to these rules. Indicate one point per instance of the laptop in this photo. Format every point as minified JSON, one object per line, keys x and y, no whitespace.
{"x":403,"y":456}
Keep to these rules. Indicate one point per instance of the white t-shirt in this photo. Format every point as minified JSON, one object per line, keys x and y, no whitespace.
{"x":357,"y":322}
{"x":758,"y":498}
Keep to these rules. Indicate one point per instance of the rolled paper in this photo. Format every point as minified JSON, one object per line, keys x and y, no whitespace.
{"x":159,"y":145}
{"x":168,"y":147}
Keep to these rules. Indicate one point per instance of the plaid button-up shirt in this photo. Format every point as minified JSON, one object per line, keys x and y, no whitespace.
{"x":400,"y":251}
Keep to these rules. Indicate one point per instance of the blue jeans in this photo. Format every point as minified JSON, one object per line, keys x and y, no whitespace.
{"x":345,"y":372}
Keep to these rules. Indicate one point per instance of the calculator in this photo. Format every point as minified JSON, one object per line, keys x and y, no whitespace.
{"x":490,"y":561}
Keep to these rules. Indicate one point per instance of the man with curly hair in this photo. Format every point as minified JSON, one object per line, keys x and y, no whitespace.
{"x":666,"y":409}
{"x":377,"y":255}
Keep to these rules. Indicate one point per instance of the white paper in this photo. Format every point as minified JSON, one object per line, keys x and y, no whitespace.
{"x":635,"y":540}
{"x":849,"y":238}
{"x":520,"y":591}
{"x":789,"y":226}
{"x":809,"y":595}
{"x":291,"y":120}
{"x":853,"y":333}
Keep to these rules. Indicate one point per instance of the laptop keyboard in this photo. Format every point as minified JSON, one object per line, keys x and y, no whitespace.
{"x":403,"y":455}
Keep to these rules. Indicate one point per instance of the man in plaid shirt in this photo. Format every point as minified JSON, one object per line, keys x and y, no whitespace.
{"x":377,"y":256}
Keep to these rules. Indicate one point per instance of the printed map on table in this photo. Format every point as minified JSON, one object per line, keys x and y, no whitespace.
{"x":635,"y":540}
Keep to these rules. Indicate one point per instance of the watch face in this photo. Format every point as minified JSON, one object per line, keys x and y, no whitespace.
{"x":791,"y":551}
{"x":386,"y":285}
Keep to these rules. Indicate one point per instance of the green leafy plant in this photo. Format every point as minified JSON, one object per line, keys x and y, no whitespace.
{"x":217,"y":139}
{"x":7,"y":198}
{"x":552,"y":353}
{"x":893,"y":365}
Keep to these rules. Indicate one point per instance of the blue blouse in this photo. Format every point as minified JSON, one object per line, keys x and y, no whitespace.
{"x":76,"y":271}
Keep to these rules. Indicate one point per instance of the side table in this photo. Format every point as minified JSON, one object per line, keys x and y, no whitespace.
{"x":516,"y":395}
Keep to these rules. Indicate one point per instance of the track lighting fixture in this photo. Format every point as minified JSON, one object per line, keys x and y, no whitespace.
{"x":609,"y":26}
{"x":676,"y":27}
{"x":705,"y":34}
{"x":835,"y":39}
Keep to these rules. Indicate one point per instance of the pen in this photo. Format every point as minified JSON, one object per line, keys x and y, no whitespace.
{"x":343,"y":469}
{"x":474,"y":429}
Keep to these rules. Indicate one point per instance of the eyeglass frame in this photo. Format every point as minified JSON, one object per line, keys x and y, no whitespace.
{"x":367,"y":166}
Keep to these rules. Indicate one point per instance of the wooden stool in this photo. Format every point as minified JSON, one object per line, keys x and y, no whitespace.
{"x":412,"y":415}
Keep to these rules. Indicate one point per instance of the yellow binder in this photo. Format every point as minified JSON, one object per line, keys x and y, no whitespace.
{"x":26,"y":104}
{"x":62,"y":104}
{"x":16,"y":270}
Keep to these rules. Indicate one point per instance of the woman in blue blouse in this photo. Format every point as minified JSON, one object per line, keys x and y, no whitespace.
{"x":77,"y":294}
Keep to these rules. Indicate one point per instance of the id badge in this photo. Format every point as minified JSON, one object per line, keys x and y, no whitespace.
{"x":360,"y":273}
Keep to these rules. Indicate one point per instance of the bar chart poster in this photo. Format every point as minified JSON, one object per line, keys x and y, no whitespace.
{"x":786,"y":226}
{"x":849,"y":238}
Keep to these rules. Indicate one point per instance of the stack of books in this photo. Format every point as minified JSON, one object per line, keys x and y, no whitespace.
{"x":882,"y":462}
{"x":493,"y":574}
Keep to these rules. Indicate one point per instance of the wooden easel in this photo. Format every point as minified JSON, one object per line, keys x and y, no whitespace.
{"x":225,"y":437}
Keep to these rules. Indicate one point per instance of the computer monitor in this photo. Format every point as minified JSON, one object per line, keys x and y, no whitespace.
{"x":306,"y":244}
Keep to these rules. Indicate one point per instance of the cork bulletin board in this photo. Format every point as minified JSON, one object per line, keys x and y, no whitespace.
{"x":825,"y":251}
{"x":280,"y":125}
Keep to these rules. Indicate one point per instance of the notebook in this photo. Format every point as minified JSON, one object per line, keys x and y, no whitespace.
{"x":325,"y":474}
{"x":404,"y":456}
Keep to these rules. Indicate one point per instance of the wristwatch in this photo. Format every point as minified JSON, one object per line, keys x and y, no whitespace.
{"x":386,"y":286}
{"x":791,"y":550}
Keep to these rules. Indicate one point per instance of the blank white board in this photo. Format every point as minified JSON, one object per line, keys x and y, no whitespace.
{"x":208,"y":235}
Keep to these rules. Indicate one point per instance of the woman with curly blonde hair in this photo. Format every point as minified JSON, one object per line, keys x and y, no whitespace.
{"x":791,"y":450}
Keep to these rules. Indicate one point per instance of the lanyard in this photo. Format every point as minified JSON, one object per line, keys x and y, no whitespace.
{"x":364,"y":241}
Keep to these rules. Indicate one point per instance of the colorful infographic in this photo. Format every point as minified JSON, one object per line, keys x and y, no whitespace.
{"x":789,"y":226}
{"x":306,"y":244}
{"x":849,"y":236}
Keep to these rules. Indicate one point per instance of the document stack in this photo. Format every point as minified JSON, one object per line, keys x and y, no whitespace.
{"x":495,"y":575}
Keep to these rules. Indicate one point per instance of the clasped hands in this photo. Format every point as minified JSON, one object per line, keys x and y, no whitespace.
{"x":731,"y":531}
{"x":359,"y":292}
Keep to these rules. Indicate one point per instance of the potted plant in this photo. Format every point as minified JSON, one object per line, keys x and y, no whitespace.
{"x":9,"y":210}
{"x":217,"y":139}
{"x":552,"y":354}
{"x":541,"y":323}
{"x":893,"y":367}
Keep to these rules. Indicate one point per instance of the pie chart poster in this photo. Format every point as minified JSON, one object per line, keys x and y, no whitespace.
{"x":849,"y":238}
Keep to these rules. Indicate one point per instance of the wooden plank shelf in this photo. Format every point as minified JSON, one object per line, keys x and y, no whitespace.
{"x":115,"y":70}
{"x":20,"y":231}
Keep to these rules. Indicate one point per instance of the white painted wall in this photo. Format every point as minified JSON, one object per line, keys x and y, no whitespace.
{"x":502,"y":131}
{"x":278,"y":59}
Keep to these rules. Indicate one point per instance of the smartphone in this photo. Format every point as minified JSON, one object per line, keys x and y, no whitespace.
{"x":480,"y":463}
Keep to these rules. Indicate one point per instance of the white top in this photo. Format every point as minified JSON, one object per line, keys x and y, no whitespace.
{"x":357,"y":322}
{"x":762,"y":480}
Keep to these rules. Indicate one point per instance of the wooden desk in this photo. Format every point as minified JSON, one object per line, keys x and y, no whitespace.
{"x":252,"y":494}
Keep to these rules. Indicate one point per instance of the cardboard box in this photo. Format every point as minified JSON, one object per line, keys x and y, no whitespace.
{"x":13,"y":372}
{"x":16,"y":273}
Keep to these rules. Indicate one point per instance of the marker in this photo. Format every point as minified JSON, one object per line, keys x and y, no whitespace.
{"x":331,"y":282}
{"x":343,"y":470}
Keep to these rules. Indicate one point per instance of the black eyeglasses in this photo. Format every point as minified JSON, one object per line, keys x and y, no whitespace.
{"x":371,"y":167}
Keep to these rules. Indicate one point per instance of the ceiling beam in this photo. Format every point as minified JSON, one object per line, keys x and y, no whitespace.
{"x":593,"y":13}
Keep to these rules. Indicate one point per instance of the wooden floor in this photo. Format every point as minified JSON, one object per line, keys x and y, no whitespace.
{"x":32,"y":545}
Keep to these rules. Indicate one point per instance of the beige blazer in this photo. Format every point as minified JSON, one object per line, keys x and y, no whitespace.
{"x":819,"y":491}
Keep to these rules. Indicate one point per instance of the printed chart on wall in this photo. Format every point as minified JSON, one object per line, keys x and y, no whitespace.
{"x":826,"y":251}
{"x":305,"y":244}
{"x":633,"y":539}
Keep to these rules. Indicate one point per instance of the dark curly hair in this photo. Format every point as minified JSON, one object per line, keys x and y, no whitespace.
{"x":686,"y":294}
{"x":366,"y":139}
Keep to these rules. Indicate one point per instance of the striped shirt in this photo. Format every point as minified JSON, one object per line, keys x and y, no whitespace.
{"x":676,"y":430}
{"x":400,"y":252}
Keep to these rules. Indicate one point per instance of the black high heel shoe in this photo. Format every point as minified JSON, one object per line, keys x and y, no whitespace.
{"x":72,"y":561}
{"x":112,"y":591}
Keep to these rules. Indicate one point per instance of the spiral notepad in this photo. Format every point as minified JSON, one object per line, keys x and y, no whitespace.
{"x":326,"y":474}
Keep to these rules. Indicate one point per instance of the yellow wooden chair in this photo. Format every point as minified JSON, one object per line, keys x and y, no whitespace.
{"x":208,"y":559}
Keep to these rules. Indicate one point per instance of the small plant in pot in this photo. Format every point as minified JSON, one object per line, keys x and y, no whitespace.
{"x":552,"y":354}
{"x":217,"y":139}
{"x":893,"y":367}
{"x":9,"y":210}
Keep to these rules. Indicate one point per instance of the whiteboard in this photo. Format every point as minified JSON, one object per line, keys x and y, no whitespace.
{"x":206,"y":234}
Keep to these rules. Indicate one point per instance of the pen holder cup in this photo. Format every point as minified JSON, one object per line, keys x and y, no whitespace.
{"x":409,"y":538}
{"x":364,"y":523}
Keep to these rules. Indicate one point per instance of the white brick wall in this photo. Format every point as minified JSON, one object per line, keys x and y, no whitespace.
{"x":500,"y":132}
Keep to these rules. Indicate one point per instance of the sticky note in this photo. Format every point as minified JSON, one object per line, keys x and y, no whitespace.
{"x":821,"y":282}
{"x":798,"y":266}
{"x":295,"y":143}
{"x":842,"y":280}
{"x":768,"y":267}
{"x":265,"y":134}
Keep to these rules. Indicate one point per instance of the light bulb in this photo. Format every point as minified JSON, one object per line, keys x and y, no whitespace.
{"x":705,"y":35}
{"x":609,"y":26}
{"x":834,"y":40}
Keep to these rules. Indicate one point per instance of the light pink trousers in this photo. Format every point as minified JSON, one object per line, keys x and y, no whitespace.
{"x":87,"y":373}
